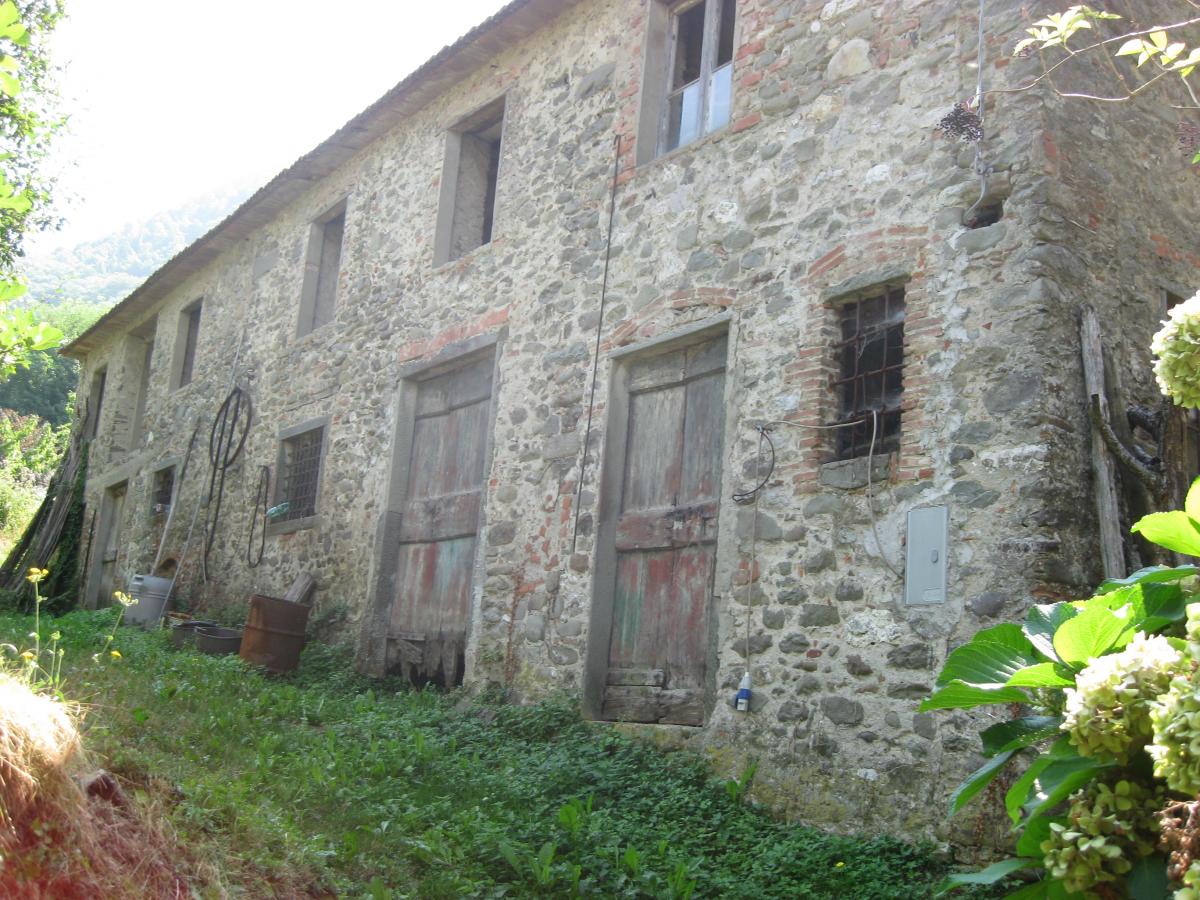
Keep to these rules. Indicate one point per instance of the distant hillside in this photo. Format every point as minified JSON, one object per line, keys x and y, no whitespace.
{"x":106,"y":270}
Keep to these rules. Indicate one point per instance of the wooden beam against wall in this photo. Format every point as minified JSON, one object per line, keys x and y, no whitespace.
{"x":1108,"y":510}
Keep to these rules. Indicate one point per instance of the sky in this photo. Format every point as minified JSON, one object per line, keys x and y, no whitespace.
{"x":169,"y":100}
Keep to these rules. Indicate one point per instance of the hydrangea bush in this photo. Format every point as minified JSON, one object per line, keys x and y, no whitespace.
{"x":1101,"y":728}
{"x":1177,"y":354}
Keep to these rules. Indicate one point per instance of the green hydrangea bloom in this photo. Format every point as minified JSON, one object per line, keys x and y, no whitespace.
{"x":1176,"y":748}
{"x":1191,"y":884}
{"x":1176,"y":348}
{"x":1108,"y":828}
{"x":1107,"y":713}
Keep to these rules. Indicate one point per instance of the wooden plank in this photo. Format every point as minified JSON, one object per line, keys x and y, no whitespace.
{"x":433,"y":590}
{"x":441,"y":518}
{"x":663,"y":370}
{"x":1108,"y":510}
{"x":637,"y":677}
{"x":681,"y":707}
{"x":631,"y":704}
{"x":302,"y":589}
{"x":703,"y":434}
{"x":655,"y":449}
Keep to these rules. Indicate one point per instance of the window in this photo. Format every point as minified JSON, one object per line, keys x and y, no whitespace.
{"x":870,"y":380}
{"x":318,"y":297}
{"x":185,"y":344}
{"x":96,"y":401}
{"x":299,"y":477}
{"x":689,"y":74}
{"x":164,"y":489}
{"x":469,"y":177}
{"x":141,"y":355}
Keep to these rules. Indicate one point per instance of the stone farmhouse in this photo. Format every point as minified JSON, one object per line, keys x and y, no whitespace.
{"x":533,"y":354}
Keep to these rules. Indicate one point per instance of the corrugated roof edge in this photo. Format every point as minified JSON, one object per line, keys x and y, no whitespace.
{"x":515,"y":21}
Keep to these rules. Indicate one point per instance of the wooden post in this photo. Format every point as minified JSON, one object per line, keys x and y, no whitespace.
{"x":1108,"y":510}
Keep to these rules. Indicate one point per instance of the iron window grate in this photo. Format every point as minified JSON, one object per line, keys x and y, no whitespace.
{"x":164,"y":487}
{"x":302,"y":469}
{"x":870,"y":378}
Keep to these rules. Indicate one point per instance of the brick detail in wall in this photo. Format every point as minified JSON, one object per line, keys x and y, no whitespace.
{"x":815,"y":368}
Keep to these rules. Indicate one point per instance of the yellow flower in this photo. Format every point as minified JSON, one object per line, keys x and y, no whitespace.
{"x":28,"y":654}
{"x":35,"y":574}
{"x":839,"y":865}
{"x":123,"y":598}
{"x":116,"y":654}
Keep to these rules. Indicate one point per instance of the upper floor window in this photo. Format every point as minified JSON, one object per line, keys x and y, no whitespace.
{"x":687,"y":83}
{"x":870,"y":381}
{"x":96,"y":401}
{"x":185,"y":344}
{"x":700,"y":71}
{"x":471,"y":171}
{"x":318,"y":297}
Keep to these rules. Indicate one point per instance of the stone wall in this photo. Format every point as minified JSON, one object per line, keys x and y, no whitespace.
{"x":829,"y":180}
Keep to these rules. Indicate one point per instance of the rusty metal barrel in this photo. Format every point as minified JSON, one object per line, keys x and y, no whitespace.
{"x":274,"y":633}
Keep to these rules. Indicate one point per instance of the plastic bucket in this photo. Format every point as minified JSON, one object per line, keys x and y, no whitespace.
{"x":218,"y":641}
{"x":150,"y":595}
{"x":274,"y":633}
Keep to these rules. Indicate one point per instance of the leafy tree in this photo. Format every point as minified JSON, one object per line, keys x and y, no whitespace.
{"x":25,"y":130}
{"x":46,"y":387}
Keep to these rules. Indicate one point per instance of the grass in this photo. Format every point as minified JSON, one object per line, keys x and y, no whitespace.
{"x":324,"y":784}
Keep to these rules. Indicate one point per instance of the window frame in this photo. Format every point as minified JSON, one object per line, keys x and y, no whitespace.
{"x":282,"y":475}
{"x":316,"y":272}
{"x":99,"y":384}
{"x":491,"y":115}
{"x":854,"y":441}
{"x":662,"y":47}
{"x":157,"y":478}
{"x":187,"y":337}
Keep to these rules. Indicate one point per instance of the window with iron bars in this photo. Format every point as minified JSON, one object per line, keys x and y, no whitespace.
{"x":870,"y":380}
{"x":164,"y":488}
{"x":300,"y":474}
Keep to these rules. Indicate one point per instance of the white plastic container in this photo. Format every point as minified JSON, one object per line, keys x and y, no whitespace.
{"x":150,"y":596}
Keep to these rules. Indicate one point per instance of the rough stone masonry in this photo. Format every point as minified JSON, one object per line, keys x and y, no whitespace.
{"x":527,"y":450}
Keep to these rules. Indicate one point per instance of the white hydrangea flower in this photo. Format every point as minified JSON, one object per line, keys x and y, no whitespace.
{"x":1107,"y":713}
{"x":1177,"y":351}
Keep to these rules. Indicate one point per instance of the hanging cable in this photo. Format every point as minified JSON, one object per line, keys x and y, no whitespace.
{"x":587,"y":431}
{"x":751,"y":496}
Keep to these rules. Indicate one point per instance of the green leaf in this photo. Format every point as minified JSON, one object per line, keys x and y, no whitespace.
{"x":1147,"y":880}
{"x":1174,"y":530}
{"x":990,"y":658}
{"x":959,"y":695}
{"x":1130,"y":47}
{"x":1045,"y":674}
{"x":1092,"y":633}
{"x":978,"y":780}
{"x":1159,"y":39}
{"x":1036,"y":890}
{"x":1060,"y":779}
{"x":1149,"y":605}
{"x":993,"y":873}
{"x":1035,"y":831}
{"x":1017,"y":733}
{"x":1042,"y":621}
{"x":1154,"y":574}
{"x":1017,"y":795}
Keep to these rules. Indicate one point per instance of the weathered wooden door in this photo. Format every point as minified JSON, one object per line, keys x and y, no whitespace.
{"x":440,"y":520}
{"x":664,"y":535}
{"x":109,"y":544}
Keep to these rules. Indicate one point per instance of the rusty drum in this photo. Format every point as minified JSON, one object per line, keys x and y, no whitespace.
{"x":274,"y":633}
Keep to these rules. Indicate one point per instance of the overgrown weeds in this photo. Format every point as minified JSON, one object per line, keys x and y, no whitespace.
{"x":327,"y":784}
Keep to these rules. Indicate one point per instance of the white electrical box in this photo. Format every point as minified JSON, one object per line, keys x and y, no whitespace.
{"x":925,"y":559}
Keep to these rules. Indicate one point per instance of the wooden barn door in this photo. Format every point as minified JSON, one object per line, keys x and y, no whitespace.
{"x":108,"y":546}
{"x":440,"y":520}
{"x":662,"y":522}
